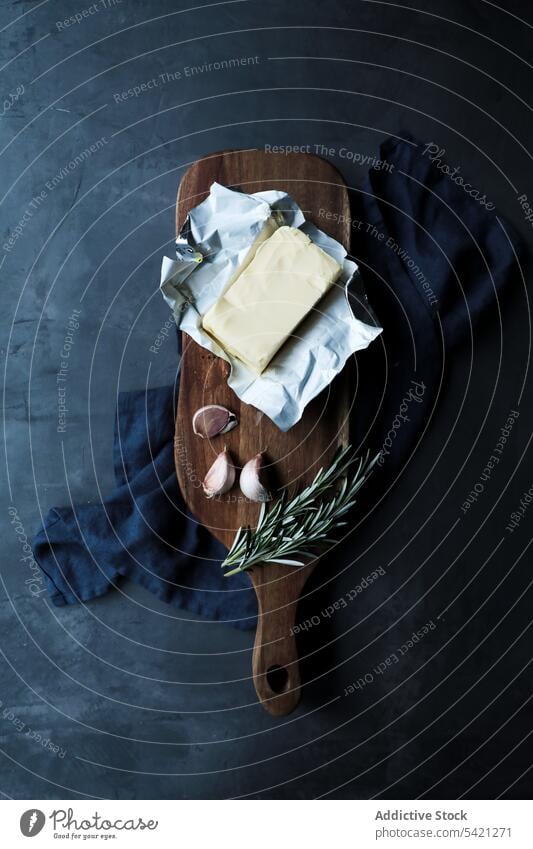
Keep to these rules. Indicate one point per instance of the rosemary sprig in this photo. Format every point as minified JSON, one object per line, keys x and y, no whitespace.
{"x":294,"y":527}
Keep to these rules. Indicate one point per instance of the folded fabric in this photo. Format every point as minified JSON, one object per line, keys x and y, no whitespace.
{"x":433,"y":259}
{"x":143,"y":531}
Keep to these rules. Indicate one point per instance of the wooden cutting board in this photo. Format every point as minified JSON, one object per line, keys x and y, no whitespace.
{"x":293,"y":458}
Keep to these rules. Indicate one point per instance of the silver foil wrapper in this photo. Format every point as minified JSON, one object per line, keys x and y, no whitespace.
{"x":214,"y":241}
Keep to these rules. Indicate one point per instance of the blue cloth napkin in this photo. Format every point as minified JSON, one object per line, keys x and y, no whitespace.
{"x":432,"y":257}
{"x":435,"y":261}
{"x":143,"y":531}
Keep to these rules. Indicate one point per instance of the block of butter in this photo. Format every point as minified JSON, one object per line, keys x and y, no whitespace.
{"x":270,"y":296}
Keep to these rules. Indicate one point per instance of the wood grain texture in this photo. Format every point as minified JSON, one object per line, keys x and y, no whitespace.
{"x":293,"y":458}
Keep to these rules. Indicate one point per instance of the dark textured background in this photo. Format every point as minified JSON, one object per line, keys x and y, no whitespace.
{"x":149,"y":703}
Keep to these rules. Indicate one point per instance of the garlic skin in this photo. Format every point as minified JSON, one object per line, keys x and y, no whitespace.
{"x":250,"y":481}
{"x":213,"y":419}
{"x":220,"y":477}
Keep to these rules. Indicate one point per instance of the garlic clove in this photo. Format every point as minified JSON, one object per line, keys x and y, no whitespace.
{"x":220,"y":477}
{"x":251,"y":480}
{"x":213,"y":419}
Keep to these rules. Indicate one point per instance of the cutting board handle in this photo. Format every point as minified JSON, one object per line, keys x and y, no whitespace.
{"x":275,"y":666}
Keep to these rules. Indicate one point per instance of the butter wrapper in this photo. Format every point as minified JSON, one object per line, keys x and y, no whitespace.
{"x":220,"y":232}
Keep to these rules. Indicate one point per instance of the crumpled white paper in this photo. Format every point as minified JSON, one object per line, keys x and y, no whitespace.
{"x":222,"y":229}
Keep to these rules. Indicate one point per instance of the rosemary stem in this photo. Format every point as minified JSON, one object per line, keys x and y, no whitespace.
{"x":296,"y":527}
